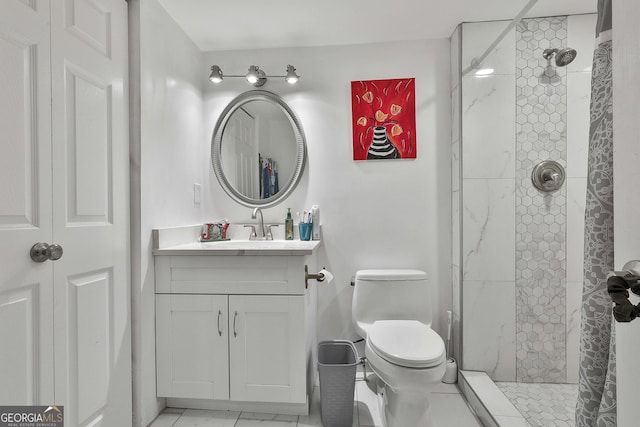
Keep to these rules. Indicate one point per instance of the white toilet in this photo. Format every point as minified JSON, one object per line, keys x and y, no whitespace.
{"x":392,"y":311}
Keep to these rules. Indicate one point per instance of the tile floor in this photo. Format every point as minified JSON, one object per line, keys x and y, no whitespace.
{"x":449,"y":409}
{"x":543,"y":405}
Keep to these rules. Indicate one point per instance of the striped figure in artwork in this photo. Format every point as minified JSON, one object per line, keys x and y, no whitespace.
{"x":381,"y":147}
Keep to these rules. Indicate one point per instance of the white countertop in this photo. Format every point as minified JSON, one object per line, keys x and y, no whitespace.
{"x":242,"y":247}
{"x":183,"y":241}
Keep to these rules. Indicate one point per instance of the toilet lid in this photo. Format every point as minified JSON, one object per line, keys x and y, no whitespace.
{"x":406,"y":343}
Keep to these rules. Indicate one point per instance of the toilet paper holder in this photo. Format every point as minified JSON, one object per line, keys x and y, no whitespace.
{"x":319,"y":277}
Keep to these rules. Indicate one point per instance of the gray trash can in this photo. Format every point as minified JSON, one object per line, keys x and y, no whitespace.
{"x":337,"y":363}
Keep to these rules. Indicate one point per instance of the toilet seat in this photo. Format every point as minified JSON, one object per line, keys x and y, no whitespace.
{"x":407,"y":343}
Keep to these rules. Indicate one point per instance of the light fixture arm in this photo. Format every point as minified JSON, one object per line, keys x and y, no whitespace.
{"x":255,"y":76}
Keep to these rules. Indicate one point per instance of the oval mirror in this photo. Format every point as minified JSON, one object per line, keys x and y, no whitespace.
{"x":258,"y":149}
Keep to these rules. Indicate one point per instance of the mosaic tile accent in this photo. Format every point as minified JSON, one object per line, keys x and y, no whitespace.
{"x":541,"y":117}
{"x":543,"y":405}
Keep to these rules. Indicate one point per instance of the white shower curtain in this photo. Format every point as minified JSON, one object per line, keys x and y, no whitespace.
{"x":596,"y":406}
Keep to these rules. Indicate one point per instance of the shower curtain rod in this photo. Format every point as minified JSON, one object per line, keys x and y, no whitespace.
{"x":476,"y":62}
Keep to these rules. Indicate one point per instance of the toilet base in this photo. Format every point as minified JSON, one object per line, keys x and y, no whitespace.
{"x":406,"y":408}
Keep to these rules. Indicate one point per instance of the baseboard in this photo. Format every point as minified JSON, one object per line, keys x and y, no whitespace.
{"x":227,"y":405}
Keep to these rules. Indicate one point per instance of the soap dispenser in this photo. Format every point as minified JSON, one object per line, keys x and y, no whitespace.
{"x":288,"y":226}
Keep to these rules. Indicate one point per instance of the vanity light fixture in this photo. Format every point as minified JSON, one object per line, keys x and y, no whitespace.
{"x":291,"y":77}
{"x":254,"y":76}
{"x":216,"y":74}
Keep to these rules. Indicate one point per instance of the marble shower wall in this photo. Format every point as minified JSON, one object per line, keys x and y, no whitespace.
{"x":541,"y":134}
{"x":521,"y":251}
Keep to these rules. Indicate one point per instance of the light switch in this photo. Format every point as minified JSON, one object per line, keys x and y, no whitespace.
{"x":196,"y":194}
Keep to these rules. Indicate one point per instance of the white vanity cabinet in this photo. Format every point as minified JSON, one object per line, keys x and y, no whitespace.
{"x":192,"y":357}
{"x":266,"y":347}
{"x":235,"y":332}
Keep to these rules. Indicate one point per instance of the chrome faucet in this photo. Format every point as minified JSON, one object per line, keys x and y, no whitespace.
{"x":261,"y":231}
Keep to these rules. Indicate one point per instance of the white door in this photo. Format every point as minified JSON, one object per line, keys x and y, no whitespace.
{"x":90,"y":163}
{"x":267,"y":348}
{"x":192,"y":347}
{"x":26,"y":288}
{"x":242,"y":132}
{"x":626,"y":114}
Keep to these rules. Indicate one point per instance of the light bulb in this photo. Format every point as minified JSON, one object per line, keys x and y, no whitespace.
{"x":216,"y":74}
{"x":252,"y":75}
{"x":292,"y":77}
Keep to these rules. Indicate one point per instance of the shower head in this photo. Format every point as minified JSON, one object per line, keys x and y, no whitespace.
{"x":564,"y":56}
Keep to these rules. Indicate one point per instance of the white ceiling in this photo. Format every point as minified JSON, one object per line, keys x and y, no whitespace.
{"x":250,"y":24}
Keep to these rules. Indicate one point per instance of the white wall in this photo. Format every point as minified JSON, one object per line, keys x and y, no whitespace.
{"x":374,"y":214}
{"x":170,"y":150}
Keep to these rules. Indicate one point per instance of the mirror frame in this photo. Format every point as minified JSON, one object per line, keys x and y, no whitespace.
{"x":216,"y":148}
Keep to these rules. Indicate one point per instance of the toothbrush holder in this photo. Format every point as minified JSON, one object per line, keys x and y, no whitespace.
{"x":305,"y":230}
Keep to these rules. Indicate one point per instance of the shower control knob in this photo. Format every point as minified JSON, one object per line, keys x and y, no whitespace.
{"x":548,"y":176}
{"x":41,"y":252}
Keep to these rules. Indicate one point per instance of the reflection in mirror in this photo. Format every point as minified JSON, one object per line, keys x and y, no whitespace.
{"x":258,"y":150}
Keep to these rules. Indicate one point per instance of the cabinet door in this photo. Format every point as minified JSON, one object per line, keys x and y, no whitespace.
{"x":267,"y":348}
{"x":192,"y":350}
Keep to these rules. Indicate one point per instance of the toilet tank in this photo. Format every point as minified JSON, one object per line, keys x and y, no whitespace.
{"x":390,"y":295}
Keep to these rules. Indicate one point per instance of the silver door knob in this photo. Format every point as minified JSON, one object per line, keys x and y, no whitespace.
{"x":40,"y":252}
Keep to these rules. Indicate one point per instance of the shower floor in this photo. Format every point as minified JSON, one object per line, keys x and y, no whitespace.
{"x":543,"y":405}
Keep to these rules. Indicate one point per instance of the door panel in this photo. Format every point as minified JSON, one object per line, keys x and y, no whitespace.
{"x":29,"y":3}
{"x":89,"y":149}
{"x":18,"y":164}
{"x":192,"y":346}
{"x":242,"y":162}
{"x":90,"y":343}
{"x":19,"y":332}
{"x":26,"y":288}
{"x":90,"y":211}
{"x":90,"y":22}
{"x":266,"y":347}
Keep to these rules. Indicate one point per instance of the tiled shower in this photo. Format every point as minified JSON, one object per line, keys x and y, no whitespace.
{"x":517,"y":252}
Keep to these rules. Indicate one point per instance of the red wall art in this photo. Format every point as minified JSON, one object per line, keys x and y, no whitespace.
{"x":384,"y":119}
